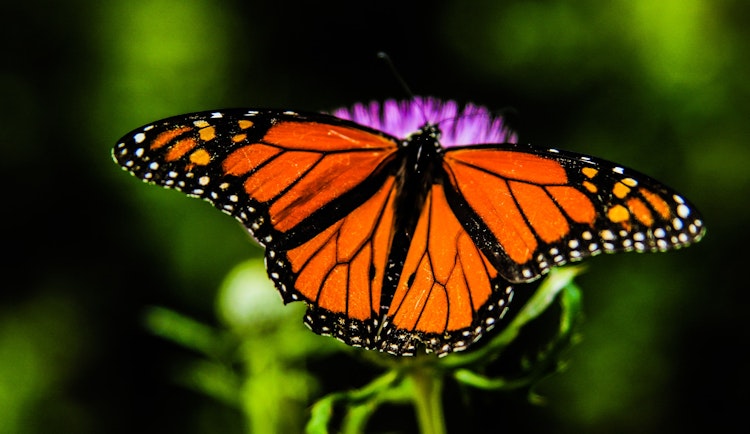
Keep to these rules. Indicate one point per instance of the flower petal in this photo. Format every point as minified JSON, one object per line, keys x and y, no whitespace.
{"x":467,"y":125}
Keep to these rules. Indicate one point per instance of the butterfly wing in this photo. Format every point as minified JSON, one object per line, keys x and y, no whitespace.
{"x":340,"y":272}
{"x":316,"y":191}
{"x":322,"y":195}
{"x":448,"y":293}
{"x":531,"y":209}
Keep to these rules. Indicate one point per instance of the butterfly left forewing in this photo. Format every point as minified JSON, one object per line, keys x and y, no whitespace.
{"x":270,"y":169}
{"x":311,"y":188}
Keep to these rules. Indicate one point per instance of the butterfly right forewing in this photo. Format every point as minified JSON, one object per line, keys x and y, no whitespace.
{"x":534,"y":209}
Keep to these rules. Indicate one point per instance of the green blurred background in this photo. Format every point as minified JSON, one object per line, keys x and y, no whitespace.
{"x":661,"y":86}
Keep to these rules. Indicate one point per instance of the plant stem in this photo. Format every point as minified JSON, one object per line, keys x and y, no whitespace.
{"x":428,"y":402}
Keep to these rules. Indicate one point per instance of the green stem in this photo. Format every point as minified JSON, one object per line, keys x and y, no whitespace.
{"x":428,"y":402}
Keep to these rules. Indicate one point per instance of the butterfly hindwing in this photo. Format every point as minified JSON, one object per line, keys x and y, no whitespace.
{"x":534,"y":209}
{"x":340,"y":271}
{"x":448,"y":293}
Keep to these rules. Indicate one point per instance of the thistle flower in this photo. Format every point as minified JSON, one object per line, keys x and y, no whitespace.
{"x":460,"y":125}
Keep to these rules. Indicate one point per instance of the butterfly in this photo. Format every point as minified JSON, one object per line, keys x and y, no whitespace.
{"x":406,"y":224}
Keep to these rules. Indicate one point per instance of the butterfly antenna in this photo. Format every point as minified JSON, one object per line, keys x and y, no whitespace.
{"x":382,"y":55}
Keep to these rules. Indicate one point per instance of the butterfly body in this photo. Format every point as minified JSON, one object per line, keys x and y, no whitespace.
{"x":399,"y":242}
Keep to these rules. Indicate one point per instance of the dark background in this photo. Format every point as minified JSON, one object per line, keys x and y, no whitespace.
{"x":661,"y":86}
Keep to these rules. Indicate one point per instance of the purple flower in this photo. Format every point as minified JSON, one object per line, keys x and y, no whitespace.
{"x":467,"y":125}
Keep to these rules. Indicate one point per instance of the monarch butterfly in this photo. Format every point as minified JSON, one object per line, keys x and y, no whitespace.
{"x":394,"y":236}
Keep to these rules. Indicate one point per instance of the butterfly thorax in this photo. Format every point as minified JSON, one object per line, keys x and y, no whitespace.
{"x":423,"y":146}
{"x":422,"y":153}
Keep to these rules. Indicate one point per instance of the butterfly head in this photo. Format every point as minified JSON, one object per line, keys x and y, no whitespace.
{"x":428,"y":134}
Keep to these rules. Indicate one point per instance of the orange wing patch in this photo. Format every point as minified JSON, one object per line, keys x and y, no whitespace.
{"x":493,"y":200}
{"x":523,"y":201}
{"x":166,"y":137}
{"x":180,"y":148}
{"x":247,"y":158}
{"x":297,"y":169}
{"x":313,"y":136}
{"x":445,"y":279}
{"x":576,"y":205}
{"x":640,"y":211}
{"x":537,"y":205}
{"x":510,"y":165}
{"x":659,"y":204}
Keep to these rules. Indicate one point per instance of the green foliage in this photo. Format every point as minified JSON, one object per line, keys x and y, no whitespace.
{"x":256,"y":363}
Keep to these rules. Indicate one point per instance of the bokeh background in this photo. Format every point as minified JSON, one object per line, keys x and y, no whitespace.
{"x":661,"y":86}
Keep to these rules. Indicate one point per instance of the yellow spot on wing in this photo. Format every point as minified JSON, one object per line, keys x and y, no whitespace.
{"x":620,"y":190}
{"x":200,"y":157}
{"x":589,"y":172}
{"x":208,"y":133}
{"x":245,"y":124}
{"x":618,"y":214}
{"x":589,"y":186}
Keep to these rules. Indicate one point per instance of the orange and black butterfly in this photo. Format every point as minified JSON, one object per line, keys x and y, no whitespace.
{"x":405,"y":224}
